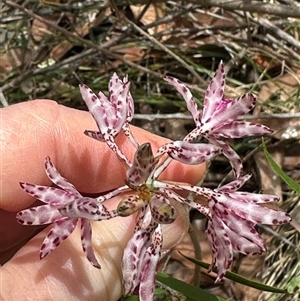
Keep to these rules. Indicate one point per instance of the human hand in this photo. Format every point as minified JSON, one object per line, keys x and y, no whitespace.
{"x":32,"y":131}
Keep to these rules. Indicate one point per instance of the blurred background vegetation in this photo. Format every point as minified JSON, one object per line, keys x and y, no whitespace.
{"x":48,"y":47}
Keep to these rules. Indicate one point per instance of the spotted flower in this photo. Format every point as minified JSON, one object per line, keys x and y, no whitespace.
{"x":140,"y":260}
{"x":219,"y":116}
{"x":63,"y":226}
{"x":112,"y":114}
{"x":232,"y":217}
{"x":142,"y":175}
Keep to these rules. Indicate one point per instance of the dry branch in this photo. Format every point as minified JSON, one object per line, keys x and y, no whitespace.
{"x":252,"y":7}
{"x":242,"y":5}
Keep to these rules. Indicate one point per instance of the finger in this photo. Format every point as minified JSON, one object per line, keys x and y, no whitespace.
{"x":36,"y":129}
{"x":65,"y":274}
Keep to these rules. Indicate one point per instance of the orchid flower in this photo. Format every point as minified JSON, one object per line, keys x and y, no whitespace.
{"x":55,"y":198}
{"x":232,"y":217}
{"x":219,"y":116}
{"x":231,"y":226}
{"x":141,"y":177}
{"x":112,"y":114}
{"x":141,"y":255}
{"x":140,"y":260}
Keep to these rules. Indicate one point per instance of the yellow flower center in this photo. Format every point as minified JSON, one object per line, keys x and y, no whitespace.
{"x":144,"y":193}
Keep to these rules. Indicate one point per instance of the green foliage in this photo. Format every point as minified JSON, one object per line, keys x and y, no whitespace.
{"x":192,"y":293}
{"x":289,"y":181}
{"x":242,"y":280}
{"x":294,"y":285}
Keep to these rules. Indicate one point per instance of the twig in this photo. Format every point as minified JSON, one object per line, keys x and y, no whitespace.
{"x":163,"y":47}
{"x":289,"y":51}
{"x":100,"y":48}
{"x":279,"y":236}
{"x":169,"y":17}
{"x":152,"y":117}
{"x":38,"y":71}
{"x":280,"y":33}
{"x":75,"y":37}
{"x":242,"y":5}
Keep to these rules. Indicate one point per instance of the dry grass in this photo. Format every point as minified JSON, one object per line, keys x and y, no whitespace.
{"x":48,"y":47}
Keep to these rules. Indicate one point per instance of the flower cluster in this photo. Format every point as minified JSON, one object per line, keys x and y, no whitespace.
{"x":232,"y":214}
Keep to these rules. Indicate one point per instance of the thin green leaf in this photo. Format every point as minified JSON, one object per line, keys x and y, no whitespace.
{"x":192,"y":293}
{"x":289,"y":181}
{"x":237,"y":278}
{"x":160,"y":294}
{"x":131,"y":298}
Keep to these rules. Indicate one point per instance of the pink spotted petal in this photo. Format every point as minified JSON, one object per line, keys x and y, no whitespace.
{"x":214,"y":94}
{"x":115,"y":86}
{"x":125,"y":106}
{"x":253,"y":197}
{"x":232,"y":156}
{"x":118,"y":96}
{"x":40,"y":215}
{"x":110,"y":115}
{"x":102,"y":98}
{"x":241,"y":232}
{"x":252,"y":212}
{"x":98,"y":106}
{"x":51,"y":195}
{"x":187,"y":95}
{"x":59,"y":232}
{"x":143,"y":164}
{"x":110,"y":142}
{"x":87,"y":208}
{"x":161,"y":210}
{"x":150,"y":263}
{"x":234,"y":185}
{"x":243,"y":236}
{"x":238,"y":129}
{"x":228,"y":113}
{"x":173,"y":195}
{"x":121,"y":105}
{"x":86,"y":241}
{"x":132,"y":263}
{"x":244,"y":245}
{"x":58,"y":180}
{"x":221,"y":246}
{"x":95,"y":135}
{"x":191,"y":153}
{"x":129,"y":103}
{"x":193,"y":135}
{"x":202,"y":209}
{"x":127,"y":132}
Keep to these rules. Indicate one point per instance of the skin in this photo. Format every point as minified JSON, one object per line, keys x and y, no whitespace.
{"x":31,"y":131}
